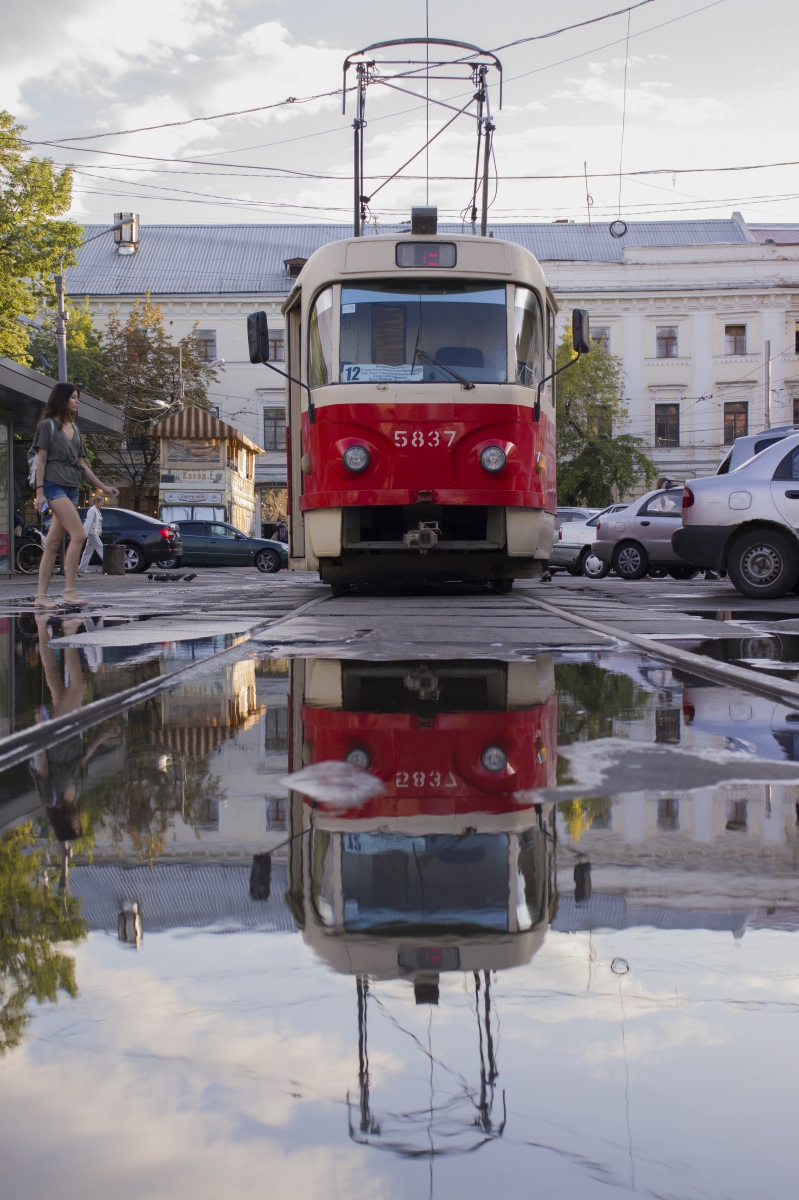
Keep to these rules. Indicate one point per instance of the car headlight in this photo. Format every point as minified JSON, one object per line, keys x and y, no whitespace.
{"x":358,"y":757}
{"x":493,"y":458}
{"x":494,"y":758}
{"x":355,"y":459}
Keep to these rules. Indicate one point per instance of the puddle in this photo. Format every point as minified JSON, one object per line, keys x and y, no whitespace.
{"x":777,"y":653}
{"x":55,"y":665}
{"x":498,"y":920}
{"x":761,"y":616}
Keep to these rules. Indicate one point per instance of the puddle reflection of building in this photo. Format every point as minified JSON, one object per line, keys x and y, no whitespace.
{"x":444,"y":874}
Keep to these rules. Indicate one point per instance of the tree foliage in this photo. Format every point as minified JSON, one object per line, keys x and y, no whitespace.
{"x":85,"y":354}
{"x":32,"y":243}
{"x":142,"y":369}
{"x":34,"y":920}
{"x":595,"y":466}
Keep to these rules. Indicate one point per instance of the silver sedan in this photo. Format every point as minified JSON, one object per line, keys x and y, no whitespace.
{"x":747,"y":522}
{"x":637,"y":541}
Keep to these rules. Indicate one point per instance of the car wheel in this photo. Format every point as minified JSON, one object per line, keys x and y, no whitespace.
{"x":28,"y":558}
{"x":169,"y":564}
{"x":763,"y":563}
{"x":593,"y":567}
{"x":630,"y":560}
{"x":134,"y":559}
{"x":683,"y":572}
{"x":268,"y":562}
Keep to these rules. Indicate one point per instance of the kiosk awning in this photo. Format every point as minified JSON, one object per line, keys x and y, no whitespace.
{"x":194,"y":422}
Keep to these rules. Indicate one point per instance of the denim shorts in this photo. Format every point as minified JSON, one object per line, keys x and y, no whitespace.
{"x":54,"y":491}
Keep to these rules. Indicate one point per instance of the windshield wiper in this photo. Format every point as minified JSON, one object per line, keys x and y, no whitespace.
{"x":432,"y":361}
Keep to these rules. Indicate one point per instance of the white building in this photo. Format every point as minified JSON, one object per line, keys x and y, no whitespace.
{"x":695,"y":310}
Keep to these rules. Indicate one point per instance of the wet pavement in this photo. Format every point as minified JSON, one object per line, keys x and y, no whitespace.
{"x":396,"y":905}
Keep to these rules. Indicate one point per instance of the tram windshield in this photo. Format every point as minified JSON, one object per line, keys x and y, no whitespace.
{"x":417,"y":331}
{"x":430,"y":881}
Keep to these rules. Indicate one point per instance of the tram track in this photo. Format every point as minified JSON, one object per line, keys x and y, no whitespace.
{"x":744,"y":678}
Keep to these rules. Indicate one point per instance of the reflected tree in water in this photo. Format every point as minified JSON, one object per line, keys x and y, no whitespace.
{"x":35,"y":919}
{"x":591,"y":700}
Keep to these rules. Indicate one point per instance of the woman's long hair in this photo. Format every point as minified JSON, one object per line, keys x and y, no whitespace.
{"x":57,"y":405}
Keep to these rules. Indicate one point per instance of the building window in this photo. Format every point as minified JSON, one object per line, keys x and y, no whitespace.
{"x":735,"y":339}
{"x":796,"y":410}
{"x":207,"y":340}
{"x":668,"y":814}
{"x":736,"y":816}
{"x":277,"y":347}
{"x":602,"y":337}
{"x":796,"y":337}
{"x":736,"y":420}
{"x":667,"y":726}
{"x":274,"y":429}
{"x":666,"y":341}
{"x":667,"y":424}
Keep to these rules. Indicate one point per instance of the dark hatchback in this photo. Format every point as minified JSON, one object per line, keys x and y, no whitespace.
{"x":217,"y":544}
{"x":146,"y":540}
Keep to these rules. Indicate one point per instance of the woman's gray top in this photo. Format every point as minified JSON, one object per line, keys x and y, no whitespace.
{"x":63,"y":453}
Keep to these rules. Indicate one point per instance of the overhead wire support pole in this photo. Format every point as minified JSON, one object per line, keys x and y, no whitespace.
{"x":488,"y":129}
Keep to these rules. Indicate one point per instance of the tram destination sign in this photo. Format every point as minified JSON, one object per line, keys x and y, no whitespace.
{"x":426,"y":254}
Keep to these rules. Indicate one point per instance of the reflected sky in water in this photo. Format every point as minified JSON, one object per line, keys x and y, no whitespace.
{"x":474,"y":980}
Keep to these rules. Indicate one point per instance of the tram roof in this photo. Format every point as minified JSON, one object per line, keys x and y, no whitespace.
{"x":250,"y":259}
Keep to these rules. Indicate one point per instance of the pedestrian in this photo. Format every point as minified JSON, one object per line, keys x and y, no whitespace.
{"x":282,"y":531}
{"x":60,"y":466}
{"x":93,"y":528}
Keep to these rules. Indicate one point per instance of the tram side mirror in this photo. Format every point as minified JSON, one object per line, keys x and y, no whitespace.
{"x":258,"y":337}
{"x":581,"y":334}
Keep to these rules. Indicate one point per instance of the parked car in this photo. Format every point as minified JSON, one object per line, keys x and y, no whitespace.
{"x":747,"y":522}
{"x":218,"y":544}
{"x":145,"y":539}
{"x":573,"y":546}
{"x":568,"y":513}
{"x":637,"y":541}
{"x":744,"y":448}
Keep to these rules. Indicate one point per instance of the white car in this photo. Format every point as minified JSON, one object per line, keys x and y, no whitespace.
{"x":744,"y":448}
{"x":747,"y":522}
{"x":572,"y":548}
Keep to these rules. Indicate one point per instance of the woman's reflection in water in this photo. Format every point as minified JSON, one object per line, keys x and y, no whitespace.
{"x":60,"y":770}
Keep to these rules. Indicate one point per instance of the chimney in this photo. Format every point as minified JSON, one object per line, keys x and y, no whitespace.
{"x":127,"y":238}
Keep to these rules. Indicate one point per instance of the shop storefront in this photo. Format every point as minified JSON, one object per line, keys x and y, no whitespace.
{"x":207,"y":470}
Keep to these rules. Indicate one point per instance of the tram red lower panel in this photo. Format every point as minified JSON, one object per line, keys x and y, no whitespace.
{"x":433,"y":766}
{"x":429,"y":452}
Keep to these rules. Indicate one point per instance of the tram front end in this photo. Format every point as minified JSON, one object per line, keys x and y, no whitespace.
{"x":420,"y":412}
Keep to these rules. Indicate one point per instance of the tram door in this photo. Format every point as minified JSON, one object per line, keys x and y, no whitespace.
{"x":296,"y":478}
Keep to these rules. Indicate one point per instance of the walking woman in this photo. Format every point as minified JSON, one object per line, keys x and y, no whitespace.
{"x":60,"y":466}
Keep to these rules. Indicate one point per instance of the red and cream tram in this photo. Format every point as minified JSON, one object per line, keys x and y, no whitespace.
{"x":420,"y":408}
{"x":451,"y":867}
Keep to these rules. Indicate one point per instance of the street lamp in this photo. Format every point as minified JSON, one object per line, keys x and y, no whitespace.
{"x":63,"y":315}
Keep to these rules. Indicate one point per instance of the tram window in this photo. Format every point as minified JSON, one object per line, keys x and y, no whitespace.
{"x":409,"y":331}
{"x":529,"y":337}
{"x":320,"y":339}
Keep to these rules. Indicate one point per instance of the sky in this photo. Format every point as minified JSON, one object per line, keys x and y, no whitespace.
{"x":707,"y":85}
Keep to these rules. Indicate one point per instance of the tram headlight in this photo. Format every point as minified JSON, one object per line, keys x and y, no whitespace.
{"x":355,"y":459}
{"x":494,"y":758}
{"x":493,"y":458}
{"x":358,"y":757}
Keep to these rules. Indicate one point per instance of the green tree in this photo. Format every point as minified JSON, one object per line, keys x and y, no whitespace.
{"x":32,"y":243}
{"x":34,"y":920}
{"x":594,"y":465}
{"x":142,"y":376}
{"x":85,"y":354}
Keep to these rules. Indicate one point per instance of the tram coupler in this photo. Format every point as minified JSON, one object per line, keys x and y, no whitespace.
{"x":424,"y":537}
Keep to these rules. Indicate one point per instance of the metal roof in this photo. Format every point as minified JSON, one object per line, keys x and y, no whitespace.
{"x":194,"y":422}
{"x":781,"y":235}
{"x":250,"y":259}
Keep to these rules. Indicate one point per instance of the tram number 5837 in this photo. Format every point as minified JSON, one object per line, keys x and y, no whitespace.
{"x":417,"y":438}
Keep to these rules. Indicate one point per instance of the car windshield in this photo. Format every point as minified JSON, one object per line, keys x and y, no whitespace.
{"x":415,"y":330}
